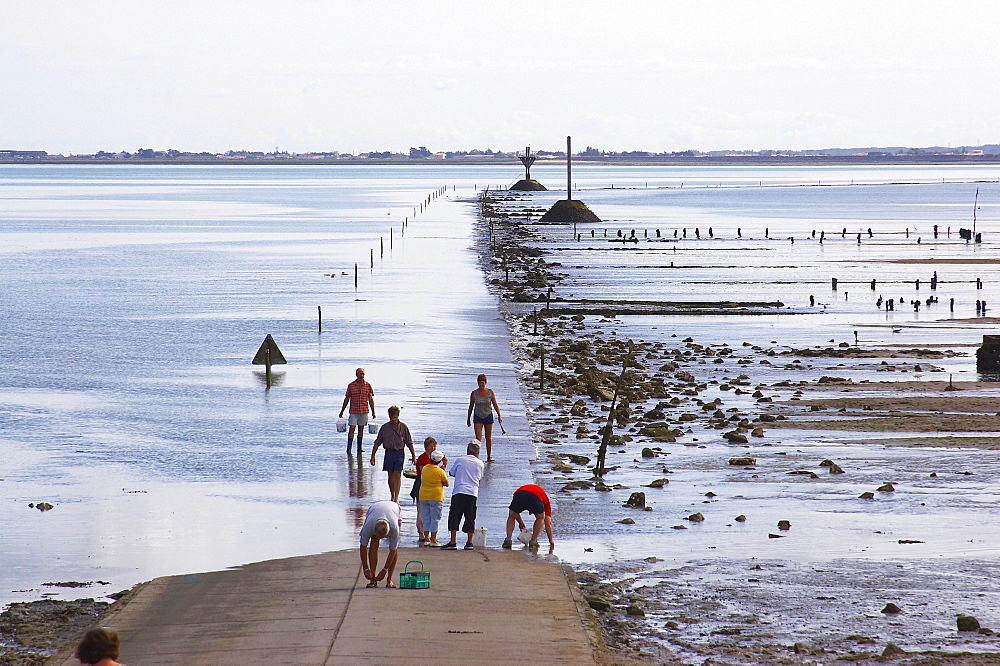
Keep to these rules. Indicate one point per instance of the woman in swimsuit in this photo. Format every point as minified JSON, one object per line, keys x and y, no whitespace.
{"x":482,"y":404}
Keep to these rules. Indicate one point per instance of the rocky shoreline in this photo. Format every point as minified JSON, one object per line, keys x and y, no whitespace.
{"x":590,"y":388}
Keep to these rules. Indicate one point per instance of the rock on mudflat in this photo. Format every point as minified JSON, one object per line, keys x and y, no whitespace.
{"x":892,"y":651}
{"x":599,"y":602}
{"x":636,"y":500}
{"x":744,"y":461}
{"x":886,"y":488}
{"x":634,"y":611}
{"x":891,"y":609}
{"x":967,"y":623}
{"x":784,"y":525}
{"x":867,"y":495}
{"x":741,"y":518}
{"x":627,"y":521}
{"x":696,"y":517}
{"x":658,"y":483}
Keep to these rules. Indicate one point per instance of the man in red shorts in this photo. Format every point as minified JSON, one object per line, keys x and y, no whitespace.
{"x":360,"y":397}
{"x":530,"y":498}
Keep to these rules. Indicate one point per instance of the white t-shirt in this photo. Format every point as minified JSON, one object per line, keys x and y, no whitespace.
{"x":467,"y":470}
{"x":388,"y":511}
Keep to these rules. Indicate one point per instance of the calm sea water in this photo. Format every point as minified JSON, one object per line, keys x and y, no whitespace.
{"x":134,"y":298}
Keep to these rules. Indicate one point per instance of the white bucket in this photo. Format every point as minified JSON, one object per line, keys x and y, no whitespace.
{"x":372,"y":428}
{"x":479,"y":538}
{"x":525,"y":536}
{"x":342,"y":425}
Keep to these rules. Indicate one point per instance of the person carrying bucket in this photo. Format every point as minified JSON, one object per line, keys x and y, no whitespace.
{"x":361,"y":398}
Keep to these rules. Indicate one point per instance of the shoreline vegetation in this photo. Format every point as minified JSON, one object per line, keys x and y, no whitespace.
{"x":584,"y":384}
{"x":502,"y":160}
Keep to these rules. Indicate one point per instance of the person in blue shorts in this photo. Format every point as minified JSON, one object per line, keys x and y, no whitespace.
{"x":394,"y":436}
{"x":482,"y":404}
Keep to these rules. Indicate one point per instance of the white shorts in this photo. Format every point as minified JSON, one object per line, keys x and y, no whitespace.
{"x":358,"y":419}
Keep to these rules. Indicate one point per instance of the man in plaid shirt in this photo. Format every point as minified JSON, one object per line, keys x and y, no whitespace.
{"x":360,"y":397}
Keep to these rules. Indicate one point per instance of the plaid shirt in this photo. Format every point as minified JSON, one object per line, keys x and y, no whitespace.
{"x":359,"y":391}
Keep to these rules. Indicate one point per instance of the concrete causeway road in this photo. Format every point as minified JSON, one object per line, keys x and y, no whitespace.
{"x":483,"y":606}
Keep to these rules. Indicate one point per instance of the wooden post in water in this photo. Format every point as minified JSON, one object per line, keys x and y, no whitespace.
{"x":541,"y":373}
{"x":569,"y":168}
{"x":602,"y":451}
{"x":319,"y":317}
{"x":355,"y":277}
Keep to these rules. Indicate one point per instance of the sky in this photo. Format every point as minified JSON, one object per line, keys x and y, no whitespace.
{"x":365,"y":75}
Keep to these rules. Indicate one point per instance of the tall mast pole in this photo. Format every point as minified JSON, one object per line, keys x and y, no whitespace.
{"x":569,"y":169}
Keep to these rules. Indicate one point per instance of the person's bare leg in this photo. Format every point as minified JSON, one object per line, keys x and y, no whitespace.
{"x":478,"y":427}
{"x":511,"y":520}
{"x":390,"y":567}
{"x":395,"y":481}
{"x":373,"y":558}
{"x":489,"y":442}
{"x":536,"y":529}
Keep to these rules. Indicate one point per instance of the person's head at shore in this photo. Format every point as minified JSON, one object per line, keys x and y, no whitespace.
{"x":473,"y":448}
{"x":481,"y":380}
{"x":381,"y":529}
{"x":360,"y":373}
{"x":99,"y":646}
{"x":436,"y":457}
{"x":394,"y":414}
{"x":430,"y":444}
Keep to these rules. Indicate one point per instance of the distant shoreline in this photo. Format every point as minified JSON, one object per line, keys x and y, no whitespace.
{"x":736,"y":160}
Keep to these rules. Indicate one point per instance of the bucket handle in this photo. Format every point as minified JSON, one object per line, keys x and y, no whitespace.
{"x":406,"y":569}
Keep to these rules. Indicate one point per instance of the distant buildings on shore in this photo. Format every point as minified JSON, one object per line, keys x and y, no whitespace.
{"x":984,"y":153}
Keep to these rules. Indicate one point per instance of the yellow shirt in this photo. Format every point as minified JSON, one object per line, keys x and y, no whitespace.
{"x":432,"y":480}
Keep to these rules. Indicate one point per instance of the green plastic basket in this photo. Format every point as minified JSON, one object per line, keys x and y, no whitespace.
{"x":415,"y":580}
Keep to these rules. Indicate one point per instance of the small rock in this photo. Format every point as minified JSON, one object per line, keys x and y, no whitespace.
{"x":826,"y":463}
{"x":658,"y":483}
{"x":696,"y":517}
{"x":636,"y":500}
{"x":648,"y":453}
{"x":634,"y":611}
{"x":736,"y":437}
{"x":866,"y":495}
{"x":627,"y":521}
{"x":967,"y":623}
{"x":775,"y":536}
{"x":784,"y":525}
{"x":892,"y":651}
{"x":741,"y":518}
{"x":757,"y":432}
{"x":602,"y":487}
{"x":886,"y":488}
{"x":836,"y":469}
{"x":744,"y":461}
{"x":891,"y":609}
{"x":599,"y":603}
{"x":43,"y":506}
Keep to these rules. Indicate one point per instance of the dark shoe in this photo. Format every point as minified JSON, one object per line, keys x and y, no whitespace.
{"x":507,"y":544}
{"x":532,"y":544}
{"x":449,"y":546}
{"x":468,"y":546}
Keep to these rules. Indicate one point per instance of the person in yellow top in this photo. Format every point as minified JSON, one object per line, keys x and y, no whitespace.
{"x":432,"y":484}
